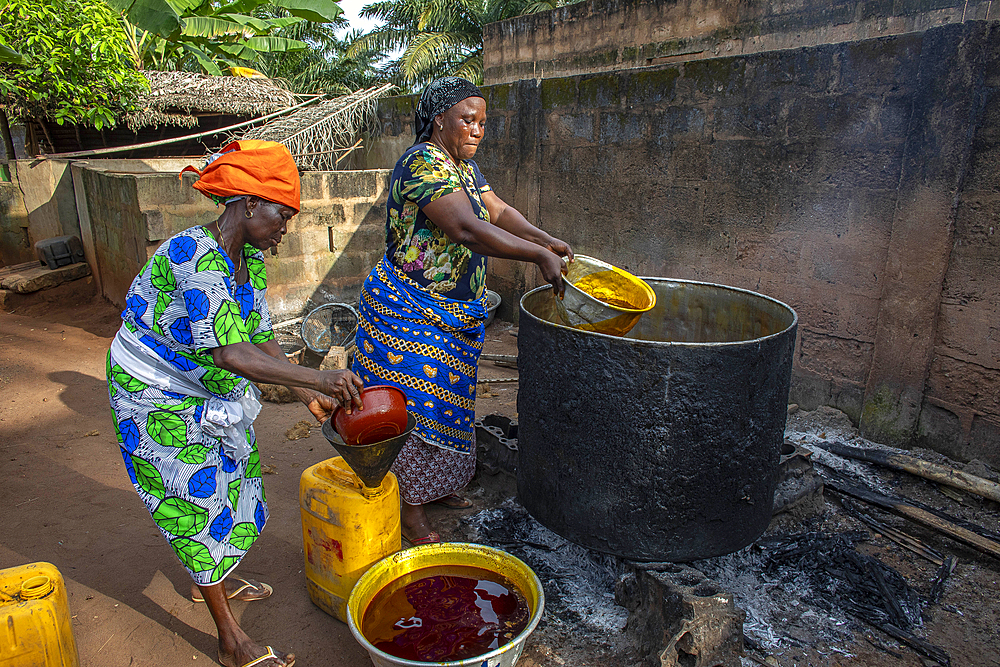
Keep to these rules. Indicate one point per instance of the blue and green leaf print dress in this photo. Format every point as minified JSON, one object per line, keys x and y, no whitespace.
{"x":210,"y":507}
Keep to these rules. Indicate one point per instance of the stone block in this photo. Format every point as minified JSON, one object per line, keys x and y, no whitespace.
{"x":623,"y":128}
{"x":680,"y":618}
{"x":757,"y":120}
{"x":559,"y":94}
{"x":940,"y":429}
{"x":599,"y":91}
{"x":985,"y":440}
{"x":651,"y":87}
{"x":678,"y":122}
{"x":38,"y":278}
{"x":568,"y":126}
{"x":832,"y":356}
{"x":850,"y":118}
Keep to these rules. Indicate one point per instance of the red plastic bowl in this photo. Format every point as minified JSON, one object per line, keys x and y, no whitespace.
{"x":383,"y":417}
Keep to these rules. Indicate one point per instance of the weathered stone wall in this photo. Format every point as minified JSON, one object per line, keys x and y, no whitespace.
{"x":329,"y":249}
{"x":854,"y":181}
{"x":607,"y":35}
{"x":14,"y":239}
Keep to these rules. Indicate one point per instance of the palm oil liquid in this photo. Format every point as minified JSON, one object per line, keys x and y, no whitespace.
{"x":444,"y":613}
{"x":607,"y":286}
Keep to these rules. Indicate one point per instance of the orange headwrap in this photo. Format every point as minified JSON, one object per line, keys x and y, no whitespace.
{"x":250,"y":167}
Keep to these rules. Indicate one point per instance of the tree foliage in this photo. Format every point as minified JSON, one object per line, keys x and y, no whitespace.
{"x":438,"y":37}
{"x":65,"y":60}
{"x":323,"y":66}
{"x":209,"y":36}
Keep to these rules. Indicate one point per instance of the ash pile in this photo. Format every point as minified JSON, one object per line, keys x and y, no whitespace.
{"x":863,"y":563}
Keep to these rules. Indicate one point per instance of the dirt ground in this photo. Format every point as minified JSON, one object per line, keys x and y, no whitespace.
{"x":67,"y":500}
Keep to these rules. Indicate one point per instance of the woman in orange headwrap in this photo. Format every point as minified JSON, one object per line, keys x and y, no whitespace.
{"x":196,"y":330}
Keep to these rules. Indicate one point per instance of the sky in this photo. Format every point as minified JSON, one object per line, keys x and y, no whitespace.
{"x":351,"y":9}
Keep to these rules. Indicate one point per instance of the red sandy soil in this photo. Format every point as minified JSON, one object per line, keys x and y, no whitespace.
{"x":67,"y":500}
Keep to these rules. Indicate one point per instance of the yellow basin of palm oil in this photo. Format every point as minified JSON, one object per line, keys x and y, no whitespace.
{"x":35,"y":625}
{"x":346,"y":527}
{"x":603,"y":298}
{"x":444,"y":567}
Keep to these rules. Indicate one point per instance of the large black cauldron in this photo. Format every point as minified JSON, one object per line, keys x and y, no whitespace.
{"x":663,"y":445}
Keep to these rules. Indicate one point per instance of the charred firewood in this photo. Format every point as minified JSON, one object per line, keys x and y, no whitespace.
{"x":935,"y":653}
{"x":937,"y":586}
{"x":904,"y":540}
{"x":942,"y":524}
{"x":932,"y":471}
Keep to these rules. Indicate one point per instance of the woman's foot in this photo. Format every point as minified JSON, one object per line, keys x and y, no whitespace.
{"x":247,"y":652}
{"x":414,"y":525}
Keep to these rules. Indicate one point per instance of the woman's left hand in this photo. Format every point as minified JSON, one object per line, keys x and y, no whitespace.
{"x":559,"y":247}
{"x":321,"y":405}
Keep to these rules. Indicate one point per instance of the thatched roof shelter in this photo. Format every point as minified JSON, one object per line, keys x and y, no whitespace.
{"x":320,"y":134}
{"x":178,"y":98}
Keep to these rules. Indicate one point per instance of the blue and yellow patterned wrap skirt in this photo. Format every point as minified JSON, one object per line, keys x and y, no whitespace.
{"x":427,"y":345}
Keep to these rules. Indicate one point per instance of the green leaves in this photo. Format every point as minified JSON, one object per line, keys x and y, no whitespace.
{"x":318,"y":11}
{"x":194,"y":453}
{"x":148,"y":477}
{"x":155,"y":16}
{"x":244,"y":535}
{"x":73,"y":62}
{"x":126,"y":381}
{"x":219,"y":382}
{"x":234,"y":493}
{"x":253,"y":465}
{"x":9,"y":55}
{"x":228,"y":325}
{"x":161,"y":276}
{"x":195,"y":555}
{"x":253,"y":322}
{"x":166,"y":428}
{"x":180,"y":517}
{"x":212,"y":261}
{"x":226,"y":564}
{"x":258,"y":273}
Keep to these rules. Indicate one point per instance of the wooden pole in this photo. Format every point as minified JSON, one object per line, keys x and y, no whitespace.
{"x":918,"y":515}
{"x":164,"y":142}
{"x":932,"y":471}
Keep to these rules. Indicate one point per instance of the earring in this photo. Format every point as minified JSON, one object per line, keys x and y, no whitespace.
{"x":440,"y":126}
{"x":248,"y":214}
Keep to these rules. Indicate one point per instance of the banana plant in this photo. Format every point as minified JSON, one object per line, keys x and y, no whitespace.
{"x":180,"y":34}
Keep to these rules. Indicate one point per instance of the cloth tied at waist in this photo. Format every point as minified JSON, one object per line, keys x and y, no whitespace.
{"x":226,"y":420}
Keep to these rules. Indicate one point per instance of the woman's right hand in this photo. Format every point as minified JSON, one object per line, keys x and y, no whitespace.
{"x":553,"y":268}
{"x":344,"y":386}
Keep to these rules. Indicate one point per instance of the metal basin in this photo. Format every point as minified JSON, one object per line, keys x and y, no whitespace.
{"x":603,"y":298}
{"x":393,"y":567}
{"x":662,"y":445}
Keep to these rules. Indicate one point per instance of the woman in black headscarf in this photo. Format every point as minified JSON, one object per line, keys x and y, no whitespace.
{"x":423,"y":307}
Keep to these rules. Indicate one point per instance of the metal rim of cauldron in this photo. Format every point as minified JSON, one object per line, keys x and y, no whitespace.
{"x":657,"y":343}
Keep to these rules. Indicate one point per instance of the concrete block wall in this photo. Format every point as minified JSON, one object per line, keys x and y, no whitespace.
{"x":608,"y":35}
{"x":15,"y":241}
{"x":854,"y":181}
{"x":329,"y":249}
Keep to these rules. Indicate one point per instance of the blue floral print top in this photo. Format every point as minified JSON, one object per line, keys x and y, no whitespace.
{"x":414,"y":243}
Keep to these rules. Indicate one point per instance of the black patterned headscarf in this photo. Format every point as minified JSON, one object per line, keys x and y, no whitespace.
{"x":438,"y":97}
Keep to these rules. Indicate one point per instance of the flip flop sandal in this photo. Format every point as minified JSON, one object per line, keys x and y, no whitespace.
{"x":247,"y":591}
{"x":270,"y":655}
{"x":430,"y":538}
{"x":453,"y":501}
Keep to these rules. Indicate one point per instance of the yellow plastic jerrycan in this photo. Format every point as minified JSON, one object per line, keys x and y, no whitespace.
{"x":35,"y":625}
{"x":346,"y":528}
